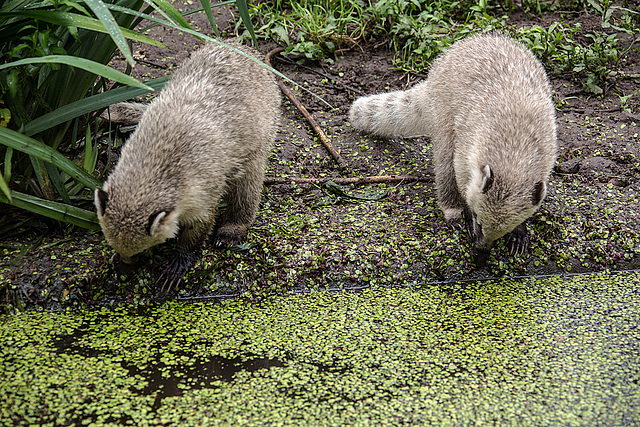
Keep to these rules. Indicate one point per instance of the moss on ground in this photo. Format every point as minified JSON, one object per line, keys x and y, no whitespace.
{"x":539,"y":352}
{"x":309,"y":239}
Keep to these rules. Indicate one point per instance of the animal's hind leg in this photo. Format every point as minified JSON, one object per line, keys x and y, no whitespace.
{"x":243,"y":198}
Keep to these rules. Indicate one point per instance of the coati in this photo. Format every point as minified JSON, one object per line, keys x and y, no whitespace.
{"x":486,"y":104}
{"x":206,"y":136}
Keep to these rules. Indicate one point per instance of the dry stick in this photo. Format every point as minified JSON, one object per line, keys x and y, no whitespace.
{"x":365,"y":180}
{"x":332,"y":151}
{"x":323,"y":138}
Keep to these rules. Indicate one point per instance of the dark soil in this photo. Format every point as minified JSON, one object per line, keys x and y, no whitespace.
{"x":307,"y":238}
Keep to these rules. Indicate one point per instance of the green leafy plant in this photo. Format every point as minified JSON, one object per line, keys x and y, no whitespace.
{"x":53,"y":76}
{"x":595,"y":63}
{"x":311,"y":28}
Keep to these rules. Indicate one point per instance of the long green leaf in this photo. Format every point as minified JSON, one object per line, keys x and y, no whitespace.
{"x":87,"y":105}
{"x":173,"y":13}
{"x":5,"y":188}
{"x":187,"y":13}
{"x":67,"y":19}
{"x":56,"y":180}
{"x":32,"y":147}
{"x":55,"y":210}
{"x":8,"y":155}
{"x":212,"y":40}
{"x":246,"y":19}
{"x":206,"y":5}
{"x":42,"y":176}
{"x":112,"y":27}
{"x":85,"y":64}
{"x":90,"y":152}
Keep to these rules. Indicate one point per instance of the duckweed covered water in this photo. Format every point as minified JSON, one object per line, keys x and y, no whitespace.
{"x":536,"y":352}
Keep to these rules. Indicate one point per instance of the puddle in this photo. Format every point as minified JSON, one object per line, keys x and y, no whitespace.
{"x":171,"y":380}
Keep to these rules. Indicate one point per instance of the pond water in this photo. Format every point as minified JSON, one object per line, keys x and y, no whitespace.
{"x":560,"y":350}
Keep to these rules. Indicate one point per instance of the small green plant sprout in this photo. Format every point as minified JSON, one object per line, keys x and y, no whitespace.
{"x":624,"y":101}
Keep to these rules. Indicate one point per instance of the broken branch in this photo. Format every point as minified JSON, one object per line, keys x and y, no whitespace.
{"x":364,"y":180}
{"x":323,"y":137}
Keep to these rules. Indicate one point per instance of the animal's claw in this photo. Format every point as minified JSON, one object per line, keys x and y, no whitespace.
{"x":174,"y":269}
{"x":225,"y":238}
{"x":469,"y":224}
{"x":518,"y":240}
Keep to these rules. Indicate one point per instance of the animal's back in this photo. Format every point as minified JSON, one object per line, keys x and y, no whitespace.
{"x":490,"y":99}
{"x":216,"y":111}
{"x":205,"y":136}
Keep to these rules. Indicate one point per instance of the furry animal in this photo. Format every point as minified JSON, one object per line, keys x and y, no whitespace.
{"x":205,"y":137}
{"x":487,"y":106}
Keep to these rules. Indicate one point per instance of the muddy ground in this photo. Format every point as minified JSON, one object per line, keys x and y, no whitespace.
{"x":308,"y":238}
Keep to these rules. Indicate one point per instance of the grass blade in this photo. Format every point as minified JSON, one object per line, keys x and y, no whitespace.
{"x":42,"y":177}
{"x":112,"y":27}
{"x":66,"y":19}
{"x":88,"y":105}
{"x":90,"y":153}
{"x":246,"y":19}
{"x":85,"y":64}
{"x":35,"y":148}
{"x":5,"y":188}
{"x":56,"y":180}
{"x":173,"y":13}
{"x":206,"y":5}
{"x":221,"y":43}
{"x":58,"y":211}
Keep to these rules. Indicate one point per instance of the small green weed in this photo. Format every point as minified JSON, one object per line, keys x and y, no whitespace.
{"x":419,"y":30}
{"x":312,"y":29}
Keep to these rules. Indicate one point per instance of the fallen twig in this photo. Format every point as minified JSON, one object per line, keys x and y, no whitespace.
{"x":364,"y":180}
{"x":323,"y":137}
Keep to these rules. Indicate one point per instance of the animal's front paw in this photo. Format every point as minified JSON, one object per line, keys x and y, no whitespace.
{"x":174,"y":269}
{"x":229,"y":235}
{"x":474,"y":230}
{"x":518,"y":240}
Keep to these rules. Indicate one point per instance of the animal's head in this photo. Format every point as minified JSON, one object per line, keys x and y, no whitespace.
{"x":131,"y":228}
{"x":499,"y":204}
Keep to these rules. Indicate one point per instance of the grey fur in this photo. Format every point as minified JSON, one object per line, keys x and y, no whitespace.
{"x":205,"y":137}
{"x":487,"y":106}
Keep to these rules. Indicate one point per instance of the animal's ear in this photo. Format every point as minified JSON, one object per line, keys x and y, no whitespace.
{"x":101,"y":199}
{"x":539,"y":191}
{"x":487,"y":179}
{"x":155,"y":220}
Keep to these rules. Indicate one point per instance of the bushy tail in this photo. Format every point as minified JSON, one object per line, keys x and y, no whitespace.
{"x":124,"y":113}
{"x":390,"y":114}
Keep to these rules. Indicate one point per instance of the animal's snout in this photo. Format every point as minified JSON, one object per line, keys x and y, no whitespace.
{"x":480,"y":256}
{"x":124,"y":265}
